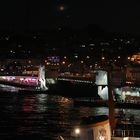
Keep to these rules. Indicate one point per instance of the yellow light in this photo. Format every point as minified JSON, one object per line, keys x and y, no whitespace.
{"x":132,"y":59}
{"x":77,"y":131}
{"x":126,"y":138}
{"x":128,"y":58}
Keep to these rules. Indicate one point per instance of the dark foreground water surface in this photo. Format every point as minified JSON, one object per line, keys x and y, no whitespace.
{"x":41,"y":116}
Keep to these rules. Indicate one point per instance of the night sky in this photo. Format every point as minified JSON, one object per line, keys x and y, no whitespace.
{"x":111,"y":15}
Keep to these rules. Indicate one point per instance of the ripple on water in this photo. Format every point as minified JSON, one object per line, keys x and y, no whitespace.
{"x":40,"y":115}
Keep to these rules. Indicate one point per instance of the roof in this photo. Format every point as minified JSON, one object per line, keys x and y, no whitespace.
{"x":93,"y":119}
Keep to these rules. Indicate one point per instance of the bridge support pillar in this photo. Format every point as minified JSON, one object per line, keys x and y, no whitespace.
{"x":41,"y":78}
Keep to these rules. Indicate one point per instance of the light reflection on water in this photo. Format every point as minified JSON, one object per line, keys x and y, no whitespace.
{"x":41,"y":115}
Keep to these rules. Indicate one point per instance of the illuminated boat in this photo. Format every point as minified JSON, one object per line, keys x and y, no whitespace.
{"x":93,"y":128}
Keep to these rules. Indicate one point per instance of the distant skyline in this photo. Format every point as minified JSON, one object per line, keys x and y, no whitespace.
{"x":111,"y":15}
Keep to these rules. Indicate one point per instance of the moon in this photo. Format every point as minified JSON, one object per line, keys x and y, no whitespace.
{"x":61,"y":8}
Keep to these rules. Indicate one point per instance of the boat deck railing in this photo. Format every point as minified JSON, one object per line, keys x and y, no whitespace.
{"x":126,"y":133}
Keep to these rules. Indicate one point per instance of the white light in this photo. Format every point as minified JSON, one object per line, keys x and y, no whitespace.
{"x":91,"y":44}
{"x":77,"y":131}
{"x":61,"y":8}
{"x":103,"y":58}
{"x":83,"y":46}
{"x":76,"y":56}
{"x":63,"y":62}
{"x":21,"y":79}
{"x":69,"y":65}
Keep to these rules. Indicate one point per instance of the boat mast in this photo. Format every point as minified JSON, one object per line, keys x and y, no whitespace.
{"x":111,"y":102}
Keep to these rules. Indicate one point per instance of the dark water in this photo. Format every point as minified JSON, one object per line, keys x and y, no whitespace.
{"x":40,"y":116}
{"x":37,"y":116}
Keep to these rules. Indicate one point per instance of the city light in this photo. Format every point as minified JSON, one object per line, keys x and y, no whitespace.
{"x":103,"y":58}
{"x":76,"y":56}
{"x":69,"y":62}
{"x":63,"y":62}
{"x":61,"y":8}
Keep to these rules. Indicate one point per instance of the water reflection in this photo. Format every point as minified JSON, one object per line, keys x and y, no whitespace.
{"x":9,"y":88}
{"x":41,"y":115}
{"x":44,"y":115}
